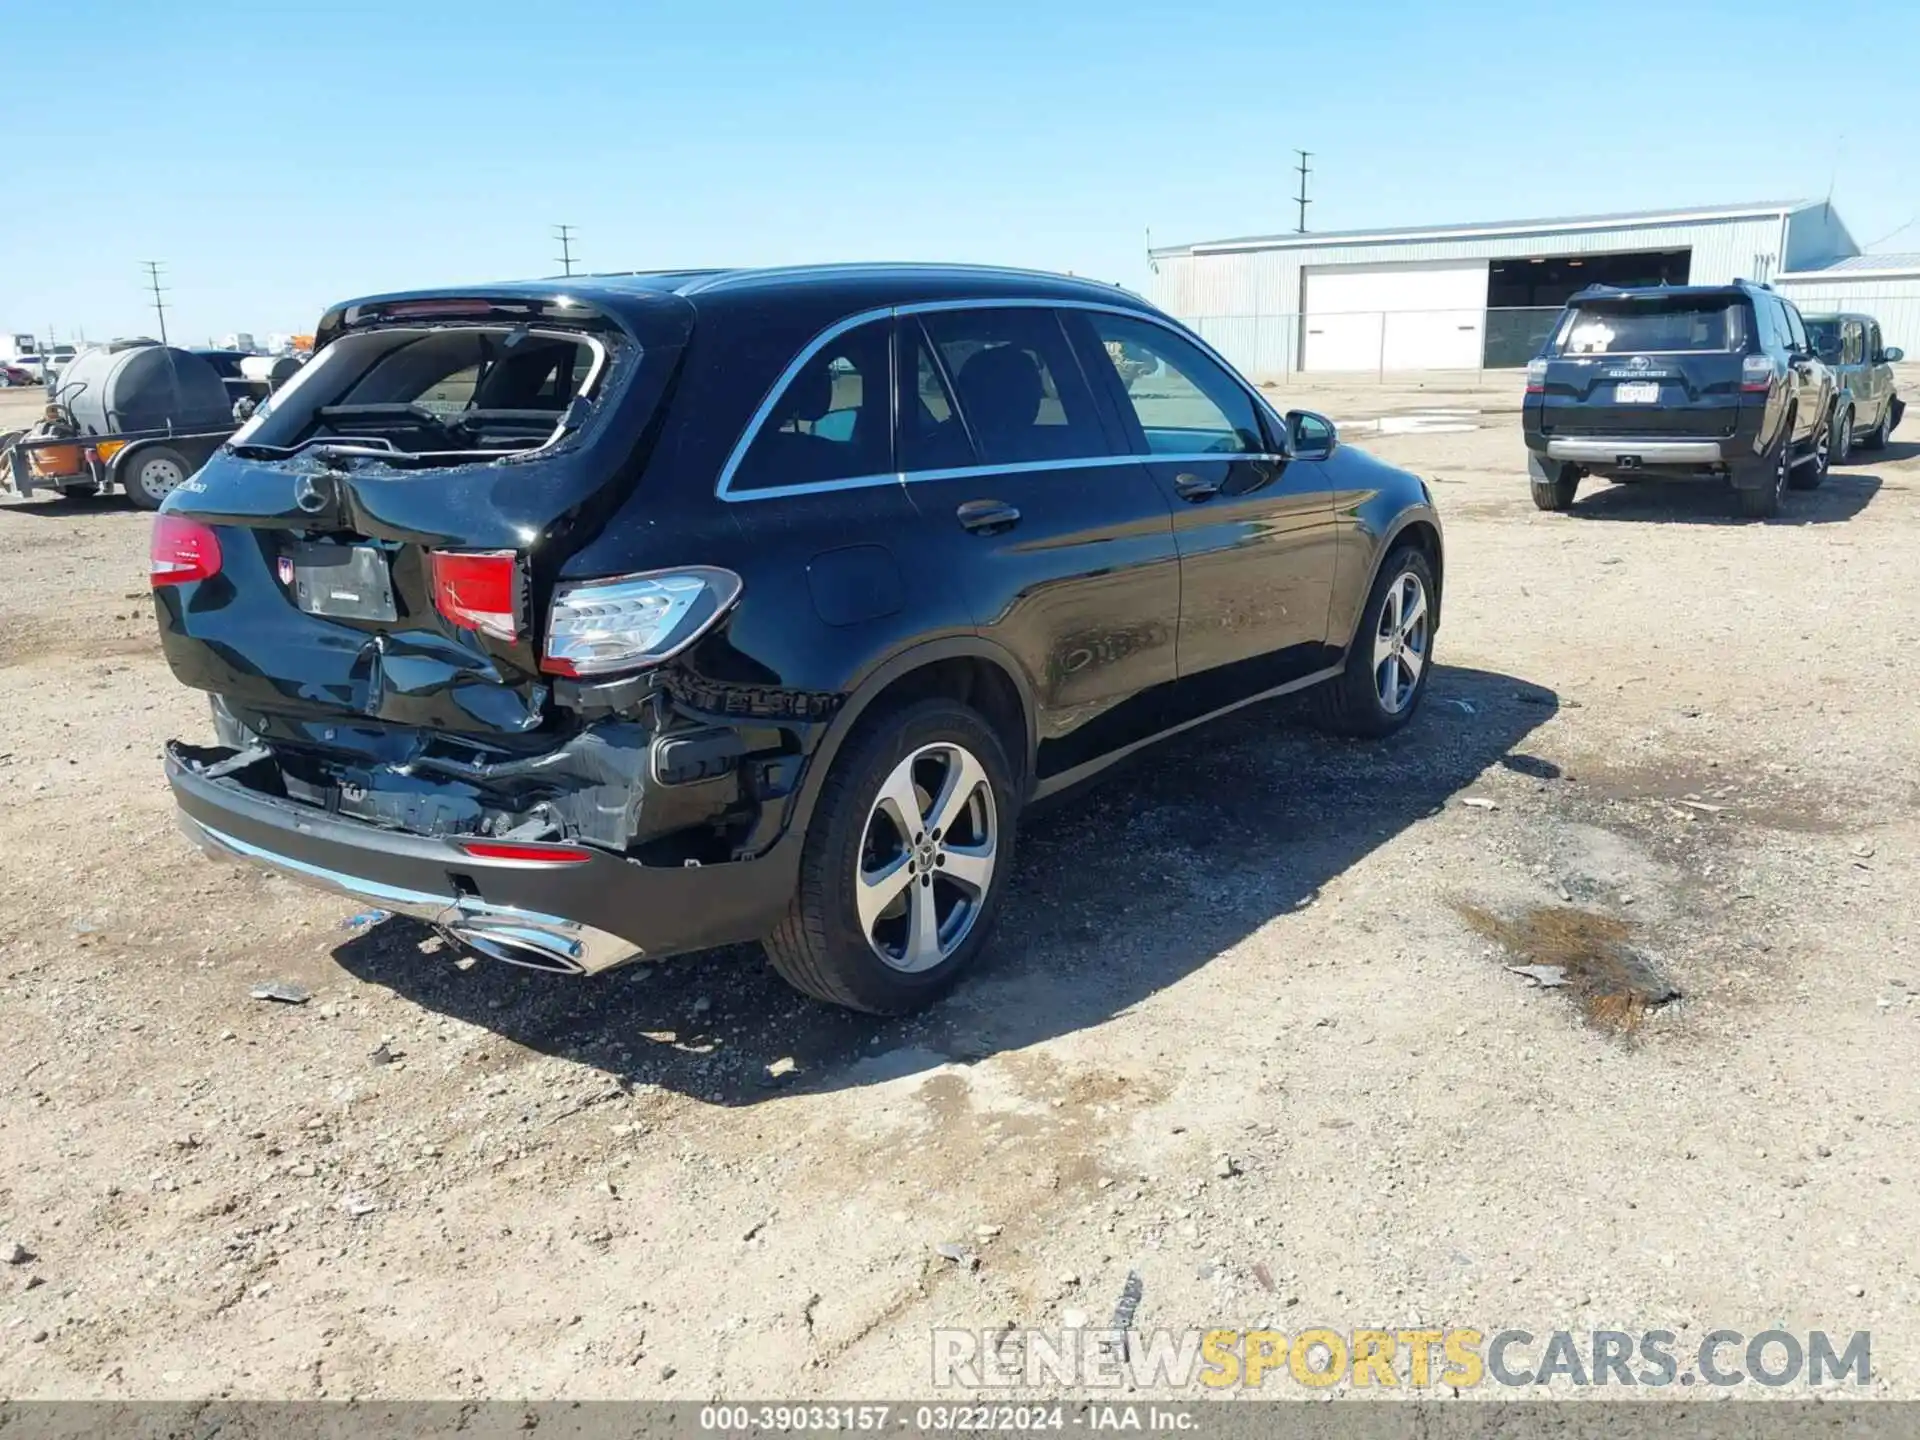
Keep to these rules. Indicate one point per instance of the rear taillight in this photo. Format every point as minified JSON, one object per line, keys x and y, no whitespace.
{"x":509,"y":853}
{"x":601,"y":627}
{"x":478,"y":590}
{"x":1536,"y":377}
{"x":1756,"y":374}
{"x":182,"y":550}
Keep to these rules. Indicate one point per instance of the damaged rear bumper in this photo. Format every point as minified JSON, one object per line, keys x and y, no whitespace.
{"x":577,"y":918}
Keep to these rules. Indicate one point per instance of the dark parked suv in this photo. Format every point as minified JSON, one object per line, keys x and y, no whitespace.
{"x":1701,"y":380}
{"x":627,"y":616}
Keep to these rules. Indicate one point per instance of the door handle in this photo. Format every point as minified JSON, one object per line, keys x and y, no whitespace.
{"x":987,"y":517}
{"x":1195,"y":488}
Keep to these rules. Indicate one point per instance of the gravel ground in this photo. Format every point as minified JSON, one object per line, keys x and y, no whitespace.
{"x":1665,"y":750}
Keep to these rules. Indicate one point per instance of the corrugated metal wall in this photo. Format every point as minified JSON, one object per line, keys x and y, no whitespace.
{"x":1247,"y":302}
{"x":1892,"y":300}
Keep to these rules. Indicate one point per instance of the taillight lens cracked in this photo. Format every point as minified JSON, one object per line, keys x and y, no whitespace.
{"x":478,"y":590}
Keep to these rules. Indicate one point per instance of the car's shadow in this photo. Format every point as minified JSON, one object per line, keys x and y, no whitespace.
{"x":65,"y":507}
{"x":1120,"y":891}
{"x":1845,"y":493}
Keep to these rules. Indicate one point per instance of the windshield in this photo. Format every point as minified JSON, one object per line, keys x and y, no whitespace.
{"x":453,"y":394}
{"x":1623,"y":326}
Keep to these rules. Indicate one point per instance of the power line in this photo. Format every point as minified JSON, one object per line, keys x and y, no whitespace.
{"x":159,"y":305}
{"x":564,"y":234}
{"x":1915,"y":220}
{"x":1301,"y":198}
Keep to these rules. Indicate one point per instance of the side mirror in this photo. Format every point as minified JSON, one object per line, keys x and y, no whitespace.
{"x":1893,"y":355}
{"x":1310,"y":436}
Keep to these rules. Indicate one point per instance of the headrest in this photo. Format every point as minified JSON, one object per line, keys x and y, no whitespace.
{"x":810,"y":395}
{"x":1001,"y":385}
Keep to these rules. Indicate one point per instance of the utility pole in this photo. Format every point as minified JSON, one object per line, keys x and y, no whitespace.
{"x":564,"y":234}
{"x":159,"y":305}
{"x":1301,"y":198}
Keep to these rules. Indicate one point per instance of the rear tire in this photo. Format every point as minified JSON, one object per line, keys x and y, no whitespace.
{"x":1877,"y":438}
{"x":152,"y":475}
{"x":1762,"y":502}
{"x":1843,"y":436}
{"x":1371,"y":697}
{"x":825,"y":946}
{"x":1557,"y":493}
{"x":1813,"y":473}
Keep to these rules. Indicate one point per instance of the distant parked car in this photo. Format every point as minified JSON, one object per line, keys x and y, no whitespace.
{"x":12,"y":375}
{"x":1715,"y":381}
{"x":1868,"y":410}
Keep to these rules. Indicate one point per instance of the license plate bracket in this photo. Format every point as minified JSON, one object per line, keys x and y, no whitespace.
{"x":344,"y":582}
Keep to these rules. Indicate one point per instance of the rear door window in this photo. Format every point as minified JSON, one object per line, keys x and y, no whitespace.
{"x":1796,"y":328}
{"x":1185,"y":403}
{"x":1017,"y":385}
{"x":932,"y":434}
{"x":833,"y":420}
{"x":1628,"y":326}
{"x":1853,"y":343}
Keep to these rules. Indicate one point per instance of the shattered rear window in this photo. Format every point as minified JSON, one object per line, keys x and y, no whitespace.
{"x":452,"y":394}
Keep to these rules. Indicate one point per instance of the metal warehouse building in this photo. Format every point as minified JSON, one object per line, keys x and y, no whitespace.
{"x":1468,"y":296}
{"x":1886,"y":287}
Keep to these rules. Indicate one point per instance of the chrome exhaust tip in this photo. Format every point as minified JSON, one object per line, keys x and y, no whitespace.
{"x":529,"y":950}
{"x":537,"y":942}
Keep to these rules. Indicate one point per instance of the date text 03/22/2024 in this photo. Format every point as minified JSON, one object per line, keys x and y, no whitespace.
{"x":938,"y":1419}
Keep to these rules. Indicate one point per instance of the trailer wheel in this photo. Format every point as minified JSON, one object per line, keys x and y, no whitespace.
{"x":151,"y":475}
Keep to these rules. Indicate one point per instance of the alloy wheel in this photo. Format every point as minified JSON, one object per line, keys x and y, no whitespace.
{"x":1843,"y":443}
{"x":1400,"y":643}
{"x":927,"y":857}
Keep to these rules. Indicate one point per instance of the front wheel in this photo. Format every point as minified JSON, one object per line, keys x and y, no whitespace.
{"x":907,"y":856}
{"x":152,"y":475}
{"x":1391,"y":656}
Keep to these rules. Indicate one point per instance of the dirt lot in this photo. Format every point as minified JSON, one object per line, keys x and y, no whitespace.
{"x":1657,"y":734}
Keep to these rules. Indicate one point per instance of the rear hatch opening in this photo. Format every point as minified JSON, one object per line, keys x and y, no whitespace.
{"x":432,"y":395}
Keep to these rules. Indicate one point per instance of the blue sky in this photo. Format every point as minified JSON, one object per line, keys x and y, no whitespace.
{"x":279,"y":155}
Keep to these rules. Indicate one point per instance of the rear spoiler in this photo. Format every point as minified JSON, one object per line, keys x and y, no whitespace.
{"x":506,"y":305}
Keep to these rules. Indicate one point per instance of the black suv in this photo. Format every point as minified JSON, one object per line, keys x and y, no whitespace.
{"x":623,"y":616}
{"x":1698,"y":380}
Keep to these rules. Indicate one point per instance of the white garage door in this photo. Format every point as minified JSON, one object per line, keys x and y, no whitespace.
{"x":1403,"y":317}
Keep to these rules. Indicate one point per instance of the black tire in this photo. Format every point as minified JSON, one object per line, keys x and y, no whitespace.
{"x":820,"y":947}
{"x":1762,"y":502}
{"x":1843,"y":436}
{"x":150,"y":475}
{"x":1812,"y":474}
{"x":1877,"y":438}
{"x":1352,"y":703}
{"x":1556,"y":493}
